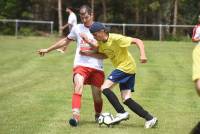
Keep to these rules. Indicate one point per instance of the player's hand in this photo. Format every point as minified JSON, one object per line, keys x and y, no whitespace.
{"x":84,"y":37}
{"x":62,"y":28}
{"x":85,"y":53}
{"x":42,"y":52}
{"x":143,"y":59}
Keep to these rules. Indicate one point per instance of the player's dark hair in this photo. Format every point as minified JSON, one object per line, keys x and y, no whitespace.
{"x":85,"y":9}
{"x":70,"y":8}
{"x":106,"y":31}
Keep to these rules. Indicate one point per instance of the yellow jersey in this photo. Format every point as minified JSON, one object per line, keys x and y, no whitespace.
{"x":116,"y":49}
{"x":196,"y":62}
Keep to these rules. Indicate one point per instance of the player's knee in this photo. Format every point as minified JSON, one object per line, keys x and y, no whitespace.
{"x":124,"y":99}
{"x":103,"y":87}
{"x":125,"y":95}
{"x":78,"y":88}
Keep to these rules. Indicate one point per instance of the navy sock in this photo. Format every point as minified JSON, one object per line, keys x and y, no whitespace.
{"x":113,"y":100}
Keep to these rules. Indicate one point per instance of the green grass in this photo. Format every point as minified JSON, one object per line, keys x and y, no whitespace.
{"x":35,"y":92}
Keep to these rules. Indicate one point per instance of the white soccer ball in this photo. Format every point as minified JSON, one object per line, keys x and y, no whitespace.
{"x":105,"y":118}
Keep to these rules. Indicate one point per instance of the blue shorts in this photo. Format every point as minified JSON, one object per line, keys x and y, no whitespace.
{"x":126,"y":81}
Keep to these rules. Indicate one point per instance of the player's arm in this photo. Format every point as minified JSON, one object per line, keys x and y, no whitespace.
{"x":63,"y":27}
{"x":90,"y":42}
{"x":139,"y":43}
{"x":61,"y":43}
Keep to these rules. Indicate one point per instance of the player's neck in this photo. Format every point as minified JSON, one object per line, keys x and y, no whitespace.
{"x":88,"y":24}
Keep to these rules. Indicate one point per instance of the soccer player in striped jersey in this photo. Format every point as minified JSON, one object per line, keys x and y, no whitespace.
{"x":87,"y":70}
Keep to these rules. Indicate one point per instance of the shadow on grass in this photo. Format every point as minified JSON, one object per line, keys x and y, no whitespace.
{"x":121,"y":125}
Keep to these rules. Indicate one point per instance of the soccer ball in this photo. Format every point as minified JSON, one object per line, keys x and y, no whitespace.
{"x":105,"y":118}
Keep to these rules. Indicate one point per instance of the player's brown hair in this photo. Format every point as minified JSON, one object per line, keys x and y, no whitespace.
{"x":85,"y":9}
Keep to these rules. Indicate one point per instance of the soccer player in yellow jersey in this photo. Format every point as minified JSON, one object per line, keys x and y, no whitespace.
{"x":196,"y":66}
{"x":196,"y":56}
{"x":115,"y":47}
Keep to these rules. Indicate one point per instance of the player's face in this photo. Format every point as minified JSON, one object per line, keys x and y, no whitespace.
{"x":67,"y":10}
{"x":86,"y":19}
{"x":99,"y":35}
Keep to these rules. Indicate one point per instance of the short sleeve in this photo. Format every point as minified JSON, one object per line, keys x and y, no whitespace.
{"x":124,"y":41}
{"x":71,"y":19}
{"x":72,"y":35}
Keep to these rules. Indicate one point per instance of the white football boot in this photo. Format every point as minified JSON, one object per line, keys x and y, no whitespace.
{"x":151,"y":123}
{"x":120,"y":117}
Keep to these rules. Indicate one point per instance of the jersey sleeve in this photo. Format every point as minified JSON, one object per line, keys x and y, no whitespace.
{"x":71,"y":19}
{"x":72,"y":35}
{"x":124,"y":41}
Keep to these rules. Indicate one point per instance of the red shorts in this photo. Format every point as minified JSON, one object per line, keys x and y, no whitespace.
{"x":91,"y":76}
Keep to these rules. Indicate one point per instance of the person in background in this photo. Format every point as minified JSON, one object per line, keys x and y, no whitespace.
{"x":72,"y":21}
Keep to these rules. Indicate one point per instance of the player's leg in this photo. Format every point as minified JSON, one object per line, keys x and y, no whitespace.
{"x":111,"y":81}
{"x":112,"y":98}
{"x":110,"y":95}
{"x":98,"y":101}
{"x":138,"y":109}
{"x":114,"y":78}
{"x":96,"y":80}
{"x":76,"y":99}
{"x":196,"y":68}
{"x":126,"y":89}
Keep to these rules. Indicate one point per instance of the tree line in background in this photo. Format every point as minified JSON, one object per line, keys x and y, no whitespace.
{"x":174,"y":12}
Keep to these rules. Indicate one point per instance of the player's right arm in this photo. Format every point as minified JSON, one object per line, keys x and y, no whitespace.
{"x":90,"y":42}
{"x":139,"y":43}
{"x":61,"y":43}
{"x":63,"y":27}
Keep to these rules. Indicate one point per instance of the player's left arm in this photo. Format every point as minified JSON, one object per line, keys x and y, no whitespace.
{"x":139,"y":43}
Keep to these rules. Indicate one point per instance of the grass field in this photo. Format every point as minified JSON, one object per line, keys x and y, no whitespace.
{"x":35,"y":92}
